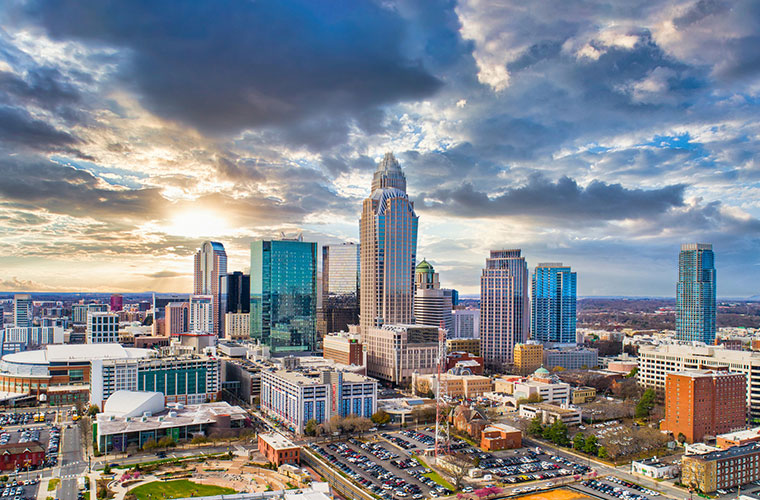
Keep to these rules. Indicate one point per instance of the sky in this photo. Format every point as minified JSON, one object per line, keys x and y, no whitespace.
{"x":601,"y":134}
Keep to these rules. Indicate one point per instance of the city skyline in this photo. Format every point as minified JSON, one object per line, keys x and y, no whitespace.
{"x":604,"y":139}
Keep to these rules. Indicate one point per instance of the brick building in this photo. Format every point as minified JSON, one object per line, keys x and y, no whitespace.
{"x":721,"y":469}
{"x":465,"y":361}
{"x":701,"y":403}
{"x":344,"y":348}
{"x":21,"y":455}
{"x":528,"y":357}
{"x":500,"y":437}
{"x":278,"y":449}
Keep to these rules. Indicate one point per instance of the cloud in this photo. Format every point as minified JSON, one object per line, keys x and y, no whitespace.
{"x":563,"y":199}
{"x":15,"y":284}
{"x":18,"y":127}
{"x":165,"y":274}
{"x":248,"y":64}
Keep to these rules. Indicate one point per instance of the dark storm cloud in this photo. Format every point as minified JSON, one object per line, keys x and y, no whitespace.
{"x":227,"y":65}
{"x":542,"y":50}
{"x":699,"y":11}
{"x":44,"y":86}
{"x":19,"y":128}
{"x":563,"y":199}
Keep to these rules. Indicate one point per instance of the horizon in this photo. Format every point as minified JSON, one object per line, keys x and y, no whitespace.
{"x":603,"y":138}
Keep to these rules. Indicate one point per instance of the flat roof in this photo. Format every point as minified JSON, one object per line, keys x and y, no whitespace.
{"x":733,"y":452}
{"x":312,"y":377}
{"x":551,"y":407}
{"x":277,"y":441}
{"x":204,"y":413}
{"x":740,"y":435}
{"x":67,"y":353}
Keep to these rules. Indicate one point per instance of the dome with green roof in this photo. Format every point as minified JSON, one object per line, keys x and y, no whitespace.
{"x":424,"y":267}
{"x":541,"y":372}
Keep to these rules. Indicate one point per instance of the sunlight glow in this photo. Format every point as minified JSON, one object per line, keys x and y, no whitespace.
{"x":196,"y":224}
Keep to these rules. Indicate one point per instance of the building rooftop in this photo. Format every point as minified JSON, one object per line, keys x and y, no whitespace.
{"x":68,"y":353}
{"x":733,"y":452}
{"x":176,"y":416}
{"x":704,"y":373}
{"x":502,"y":428}
{"x":312,"y":377}
{"x":551,"y":407}
{"x":277,"y":441}
{"x":652,"y":462}
{"x":134,"y":403}
{"x":741,"y":435}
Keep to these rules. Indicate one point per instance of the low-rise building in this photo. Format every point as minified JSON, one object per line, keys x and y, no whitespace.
{"x":464,"y":363}
{"x":278,"y":449}
{"x":549,"y":392}
{"x":738,"y":438}
{"x":722,"y":469}
{"x":500,"y":437}
{"x":654,"y":468}
{"x":20,"y":455}
{"x":549,"y":413}
{"x":528,"y":357}
{"x":455,"y":386}
{"x":582,"y":395}
{"x":344,"y":348}
{"x":505,"y":384}
{"x":464,"y":345}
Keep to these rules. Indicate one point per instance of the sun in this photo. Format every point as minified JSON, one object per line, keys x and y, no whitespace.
{"x":197,"y":224}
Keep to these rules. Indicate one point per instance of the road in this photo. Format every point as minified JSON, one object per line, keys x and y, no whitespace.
{"x":72,"y":464}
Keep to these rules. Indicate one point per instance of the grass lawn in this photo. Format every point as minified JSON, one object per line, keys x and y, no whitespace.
{"x":434,"y":475}
{"x":181,"y":488}
{"x":53,"y":484}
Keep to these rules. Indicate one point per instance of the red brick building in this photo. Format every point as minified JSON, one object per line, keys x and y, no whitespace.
{"x":701,"y":403}
{"x":467,"y":360}
{"x":21,"y":455}
{"x":500,"y":437}
{"x":278,"y":449}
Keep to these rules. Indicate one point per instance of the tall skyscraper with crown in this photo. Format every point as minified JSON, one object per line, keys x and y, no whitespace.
{"x":388,"y":231}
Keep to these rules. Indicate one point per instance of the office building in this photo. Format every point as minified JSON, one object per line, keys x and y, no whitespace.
{"x":116,"y":302}
{"x":102,"y":328}
{"x":695,"y":294}
{"x":200,"y":317}
{"x":656,"y":362}
{"x":278,"y":449}
{"x":581,"y":395}
{"x":452,"y":385}
{"x":528,"y":357}
{"x":579,"y":358}
{"x":23,"y":310}
{"x":295,"y":397}
{"x":548,"y":392}
{"x":176,"y":318}
{"x":553,"y":304}
{"x":471,"y":346}
{"x":466,"y":324}
{"x":701,"y":403}
{"x":738,"y":438}
{"x":210,"y":266}
{"x":549,"y":413}
{"x":432,"y":304}
{"x":79,"y":312}
{"x":235,"y":290}
{"x":187,"y":379}
{"x":464,"y":363}
{"x":344,"y":348}
{"x":340,"y":288}
{"x":504,"y":306}
{"x":17,"y":339}
{"x":395,"y":352}
{"x":284,"y":294}
{"x":500,"y":437}
{"x":721,"y":469}
{"x":388,"y":231}
{"x":237,"y":326}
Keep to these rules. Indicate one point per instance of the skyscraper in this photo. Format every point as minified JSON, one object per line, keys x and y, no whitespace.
{"x":504,"y":306}
{"x":235,"y":292}
{"x":200,"y":314}
{"x":210,"y":264}
{"x":340,"y":288}
{"x":388,"y":249}
{"x":284,"y":294}
{"x":695,"y":293}
{"x":23,"y":311}
{"x":432,"y":304}
{"x":553,"y":304}
{"x":117,"y":302}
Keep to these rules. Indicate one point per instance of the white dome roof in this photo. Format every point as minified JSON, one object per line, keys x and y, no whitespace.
{"x":134,"y":403}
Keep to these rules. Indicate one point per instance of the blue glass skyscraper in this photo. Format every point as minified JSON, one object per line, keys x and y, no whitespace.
{"x":284,"y":294}
{"x":554,"y":300}
{"x":695,"y":293}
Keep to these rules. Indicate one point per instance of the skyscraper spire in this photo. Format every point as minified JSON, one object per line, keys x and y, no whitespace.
{"x":389,"y":174}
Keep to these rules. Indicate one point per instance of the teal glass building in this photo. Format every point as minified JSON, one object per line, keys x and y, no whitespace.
{"x":553,"y":318}
{"x":695,"y":294}
{"x":284,"y":295}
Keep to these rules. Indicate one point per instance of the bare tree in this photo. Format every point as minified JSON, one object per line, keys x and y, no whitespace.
{"x":459,"y":465}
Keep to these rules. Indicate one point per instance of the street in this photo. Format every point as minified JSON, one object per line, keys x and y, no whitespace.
{"x":72,"y":464}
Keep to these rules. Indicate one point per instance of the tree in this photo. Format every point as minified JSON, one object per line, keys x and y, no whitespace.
{"x":681,"y":437}
{"x":459,"y":466}
{"x":310,"y":429}
{"x":535,"y":428}
{"x":362,"y":425}
{"x":602,"y":452}
{"x":579,"y":442}
{"x":645,"y":405}
{"x":381,"y":417}
{"x":591,"y":445}
{"x":633,"y":372}
{"x":558,"y":433}
{"x":166,"y":442}
{"x":199,"y":440}
{"x":150,"y":444}
{"x":93,"y":410}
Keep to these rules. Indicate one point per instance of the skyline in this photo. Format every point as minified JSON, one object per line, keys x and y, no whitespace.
{"x":604,"y":140}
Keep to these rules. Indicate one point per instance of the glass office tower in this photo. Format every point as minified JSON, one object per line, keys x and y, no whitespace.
{"x":340,"y":288}
{"x":553,"y":304}
{"x":284,"y":294}
{"x":695,"y":293}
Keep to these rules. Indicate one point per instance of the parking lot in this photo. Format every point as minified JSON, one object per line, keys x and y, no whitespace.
{"x":29,"y":426}
{"x":615,"y":488}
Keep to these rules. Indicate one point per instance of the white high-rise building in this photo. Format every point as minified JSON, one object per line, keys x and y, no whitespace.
{"x":201,"y":318}
{"x":237,"y":326}
{"x":23,"y":312}
{"x":432,"y":304}
{"x":466,"y":324}
{"x":102,"y":328}
{"x":210,"y":266}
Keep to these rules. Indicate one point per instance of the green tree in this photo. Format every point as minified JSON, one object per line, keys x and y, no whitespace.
{"x":681,"y":437}
{"x":150,"y":444}
{"x":107,"y":469}
{"x":645,"y":404}
{"x":633,"y":372}
{"x":535,"y":428}
{"x":166,"y":442}
{"x":381,"y":417}
{"x":602,"y":453}
{"x":579,"y":442}
{"x":93,"y":410}
{"x":590,"y":446}
{"x":558,"y":433}
{"x":310,"y":429}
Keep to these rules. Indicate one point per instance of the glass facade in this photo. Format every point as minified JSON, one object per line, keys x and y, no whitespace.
{"x":284,"y":294}
{"x":235,"y":289}
{"x":695,"y":294}
{"x":554,"y":304}
{"x":340,"y":287}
